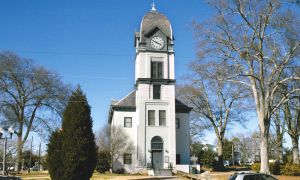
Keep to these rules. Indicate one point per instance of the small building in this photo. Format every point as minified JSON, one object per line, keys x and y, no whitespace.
{"x":156,"y":122}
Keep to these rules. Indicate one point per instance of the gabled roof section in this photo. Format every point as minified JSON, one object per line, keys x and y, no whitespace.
{"x":125,"y":104}
{"x":127,"y":101}
{"x":181,"y":107}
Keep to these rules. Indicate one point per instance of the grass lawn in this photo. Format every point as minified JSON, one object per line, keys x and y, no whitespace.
{"x":96,"y":176}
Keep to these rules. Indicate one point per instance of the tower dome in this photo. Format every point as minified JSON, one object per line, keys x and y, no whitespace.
{"x":153,"y":20}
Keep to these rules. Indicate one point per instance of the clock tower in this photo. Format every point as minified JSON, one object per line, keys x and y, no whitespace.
{"x":154,"y":120}
{"x":155,"y":91}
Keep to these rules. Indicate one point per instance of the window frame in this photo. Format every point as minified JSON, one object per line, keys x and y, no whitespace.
{"x":153,"y":120}
{"x":125,"y":126}
{"x":157,"y":69}
{"x":164,"y":118}
{"x":126,"y":159}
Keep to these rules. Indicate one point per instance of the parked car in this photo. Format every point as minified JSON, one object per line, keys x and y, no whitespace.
{"x":251,"y":176}
{"x":248,"y":163}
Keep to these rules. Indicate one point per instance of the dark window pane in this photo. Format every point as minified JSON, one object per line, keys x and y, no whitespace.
{"x":159,"y":70}
{"x":162,"y":117}
{"x":153,"y":69}
{"x":156,"y":69}
{"x":127,"y":159}
{"x":177,"y":123}
{"x":157,"y":143}
{"x":156,"y":91}
{"x":151,"y":117}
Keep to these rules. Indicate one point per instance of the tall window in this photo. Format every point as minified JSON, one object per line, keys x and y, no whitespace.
{"x":151,"y":117}
{"x":162,"y":117}
{"x":156,"y":91}
{"x":128,"y":122}
{"x":177,"y":123}
{"x":127,"y":159}
{"x":156,"y":69}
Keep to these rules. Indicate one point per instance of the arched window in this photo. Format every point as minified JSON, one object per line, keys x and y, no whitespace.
{"x":157,"y":143}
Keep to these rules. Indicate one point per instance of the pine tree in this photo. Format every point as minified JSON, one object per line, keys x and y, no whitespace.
{"x":55,"y":156}
{"x":78,"y":144}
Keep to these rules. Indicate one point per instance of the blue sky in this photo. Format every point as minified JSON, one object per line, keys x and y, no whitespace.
{"x":90,"y":42}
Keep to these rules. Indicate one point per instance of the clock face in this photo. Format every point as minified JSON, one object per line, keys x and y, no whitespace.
{"x":157,"y":42}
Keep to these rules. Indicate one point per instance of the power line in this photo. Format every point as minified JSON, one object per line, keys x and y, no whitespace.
{"x":90,"y":54}
{"x":71,"y":76}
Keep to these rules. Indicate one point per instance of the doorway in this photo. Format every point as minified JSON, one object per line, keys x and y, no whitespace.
{"x":157,"y":146}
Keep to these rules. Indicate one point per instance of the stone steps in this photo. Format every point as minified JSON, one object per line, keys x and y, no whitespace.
{"x":163,"y":172}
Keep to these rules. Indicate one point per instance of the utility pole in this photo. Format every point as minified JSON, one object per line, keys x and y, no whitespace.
{"x":4,"y":156}
{"x":40,"y":156}
{"x":30,"y":155}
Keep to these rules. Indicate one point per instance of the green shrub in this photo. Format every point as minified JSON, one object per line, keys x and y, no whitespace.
{"x":291,"y":170}
{"x":207,"y":158}
{"x":275,"y":168}
{"x":255,"y":167}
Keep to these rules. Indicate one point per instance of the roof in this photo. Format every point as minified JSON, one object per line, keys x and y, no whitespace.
{"x":181,"y":107}
{"x":152,"y":20}
{"x":128,"y":103}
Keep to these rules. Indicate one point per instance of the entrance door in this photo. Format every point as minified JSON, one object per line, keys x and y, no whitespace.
{"x":157,"y":147}
{"x":157,"y":160}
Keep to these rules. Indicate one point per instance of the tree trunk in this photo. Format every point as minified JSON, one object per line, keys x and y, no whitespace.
{"x":220,"y":155}
{"x":295,"y":143}
{"x":19,"y":154}
{"x":280,"y":152}
{"x":264,"y":167}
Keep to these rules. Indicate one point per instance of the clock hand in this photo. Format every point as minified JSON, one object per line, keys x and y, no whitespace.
{"x":157,"y":42}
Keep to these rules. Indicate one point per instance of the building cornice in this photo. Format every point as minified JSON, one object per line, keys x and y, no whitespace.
{"x":155,"y":81}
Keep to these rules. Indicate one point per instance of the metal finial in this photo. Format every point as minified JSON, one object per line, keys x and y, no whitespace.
{"x":153,"y":6}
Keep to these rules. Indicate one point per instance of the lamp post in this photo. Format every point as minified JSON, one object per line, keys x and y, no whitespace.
{"x":3,"y":135}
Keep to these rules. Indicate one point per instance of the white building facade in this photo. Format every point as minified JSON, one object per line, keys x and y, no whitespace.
{"x":156,"y":122}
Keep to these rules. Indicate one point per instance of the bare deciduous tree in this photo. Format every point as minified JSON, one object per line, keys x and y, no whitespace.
{"x":260,"y":39}
{"x":214,"y":101}
{"x":279,"y":130}
{"x":31,"y":97}
{"x":115,"y":140}
{"x":292,"y":119}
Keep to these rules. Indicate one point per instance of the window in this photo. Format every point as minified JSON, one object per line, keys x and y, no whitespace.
{"x":151,"y":118}
{"x":162,"y":117}
{"x":128,"y":122}
{"x":157,"y":143}
{"x":156,"y":69}
{"x":177,"y":123}
{"x":177,"y":158}
{"x":127,"y":159}
{"x":156,"y":91}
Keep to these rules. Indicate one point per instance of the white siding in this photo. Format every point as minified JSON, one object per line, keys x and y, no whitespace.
{"x":183,"y":138}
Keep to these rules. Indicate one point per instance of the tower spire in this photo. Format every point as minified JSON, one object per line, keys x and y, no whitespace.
{"x":153,"y":6}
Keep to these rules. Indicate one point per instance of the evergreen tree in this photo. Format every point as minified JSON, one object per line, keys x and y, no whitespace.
{"x":78,"y":145}
{"x":55,"y":156}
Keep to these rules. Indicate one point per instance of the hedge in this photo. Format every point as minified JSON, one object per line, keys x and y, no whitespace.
{"x":280,"y":169}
